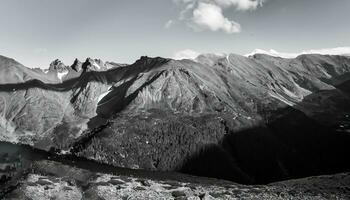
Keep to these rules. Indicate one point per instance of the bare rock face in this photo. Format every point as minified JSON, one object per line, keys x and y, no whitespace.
{"x":161,"y":114}
{"x":57,"y":65}
{"x":77,"y":65}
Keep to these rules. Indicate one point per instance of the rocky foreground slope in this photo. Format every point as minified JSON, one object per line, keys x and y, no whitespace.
{"x":109,"y":187}
{"x":251,"y":120}
{"x":41,"y":175}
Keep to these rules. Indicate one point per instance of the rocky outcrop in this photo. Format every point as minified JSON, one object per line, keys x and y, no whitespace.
{"x":67,"y":182}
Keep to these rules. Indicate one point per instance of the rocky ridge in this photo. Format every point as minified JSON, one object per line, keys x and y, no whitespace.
{"x":158,"y":114}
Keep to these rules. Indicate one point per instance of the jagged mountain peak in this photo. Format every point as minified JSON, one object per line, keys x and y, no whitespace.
{"x":77,"y":65}
{"x":57,"y":65}
{"x":91,"y":64}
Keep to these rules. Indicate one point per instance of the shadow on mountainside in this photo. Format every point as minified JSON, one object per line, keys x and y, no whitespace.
{"x":291,"y":145}
{"x":111,"y":76}
{"x":110,"y":105}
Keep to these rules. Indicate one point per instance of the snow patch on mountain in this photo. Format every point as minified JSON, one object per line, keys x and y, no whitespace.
{"x":98,"y":67}
{"x":281,"y":98}
{"x":61,"y":75}
{"x":104,"y":94}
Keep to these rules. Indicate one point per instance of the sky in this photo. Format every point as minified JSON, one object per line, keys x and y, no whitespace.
{"x":35,"y":32}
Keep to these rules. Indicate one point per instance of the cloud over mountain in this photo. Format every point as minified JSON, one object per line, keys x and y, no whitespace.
{"x":325,"y":51}
{"x":208,"y":14}
{"x":186,"y":54}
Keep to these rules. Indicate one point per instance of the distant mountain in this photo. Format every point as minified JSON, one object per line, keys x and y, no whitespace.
{"x":330,"y":51}
{"x":160,"y":114}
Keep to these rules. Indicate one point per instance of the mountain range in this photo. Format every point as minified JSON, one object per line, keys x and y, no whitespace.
{"x":252,"y":120}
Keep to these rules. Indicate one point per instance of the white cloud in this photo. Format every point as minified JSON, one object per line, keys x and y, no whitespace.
{"x":209,"y":16}
{"x":186,"y":54}
{"x":329,"y":51}
{"x":274,"y":53}
{"x":240,"y":4}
